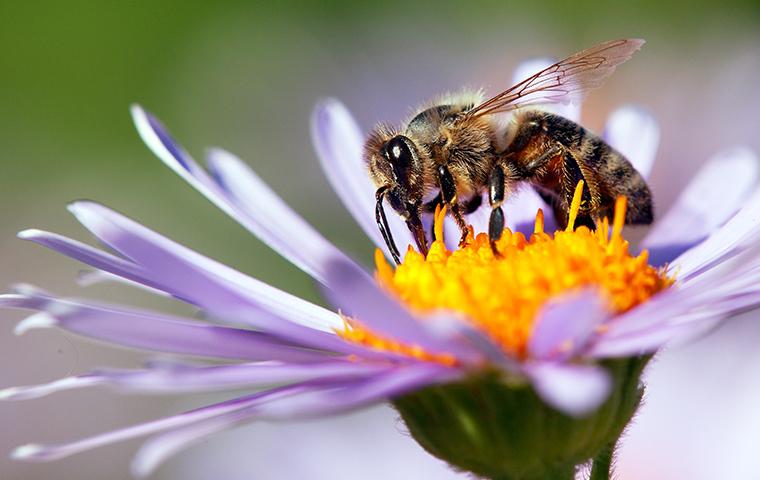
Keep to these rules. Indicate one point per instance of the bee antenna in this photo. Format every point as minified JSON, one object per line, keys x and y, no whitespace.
{"x":382,"y":224}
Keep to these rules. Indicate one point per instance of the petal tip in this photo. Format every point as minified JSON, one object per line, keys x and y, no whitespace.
{"x":29,"y":234}
{"x":572,"y":389}
{"x":137,"y":111}
{"x":328,"y":103}
{"x":29,"y":452}
{"x":36,"y":321}
{"x":8,"y":393}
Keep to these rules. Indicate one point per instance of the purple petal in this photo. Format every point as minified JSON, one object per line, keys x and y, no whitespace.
{"x":88,"y":278}
{"x":359,"y":297}
{"x":44,"y":453}
{"x":711,"y":198}
{"x":573,"y":389}
{"x":294,"y":238}
{"x":347,"y":397}
{"x":87,"y":254}
{"x":527,"y":68}
{"x":649,"y":340}
{"x":686,"y":310}
{"x":270,"y":218}
{"x":185,"y":378}
{"x":739,"y":233}
{"x":240,"y":298}
{"x":479,"y":218}
{"x":521,"y":212}
{"x":635,"y":133}
{"x":156,"y":450}
{"x":198,"y":279}
{"x":311,"y":403}
{"x":177,"y":379}
{"x":37,"y":391}
{"x":338,"y":142}
{"x":153,"y":331}
{"x":564,"y":326}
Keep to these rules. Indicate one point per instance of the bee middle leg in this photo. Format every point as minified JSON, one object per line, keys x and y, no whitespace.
{"x":449,"y":197}
{"x":467,"y":208}
{"x":496,"y":187}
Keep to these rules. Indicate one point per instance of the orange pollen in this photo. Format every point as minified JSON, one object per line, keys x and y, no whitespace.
{"x":502,"y":295}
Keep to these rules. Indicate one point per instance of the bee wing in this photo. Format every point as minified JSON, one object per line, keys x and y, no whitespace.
{"x":564,"y":82}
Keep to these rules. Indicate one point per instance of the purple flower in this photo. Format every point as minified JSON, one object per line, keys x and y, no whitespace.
{"x":286,"y":350}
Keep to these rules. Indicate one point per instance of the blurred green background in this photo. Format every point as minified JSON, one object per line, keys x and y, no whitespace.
{"x":245,"y":75}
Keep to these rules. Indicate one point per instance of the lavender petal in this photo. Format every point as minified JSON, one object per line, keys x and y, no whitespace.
{"x":576,"y":390}
{"x":270,"y":218}
{"x":186,"y":378}
{"x":686,"y":310}
{"x":564,"y":326}
{"x":249,"y":375}
{"x":38,"y":391}
{"x":349,"y":396}
{"x":291,"y":245}
{"x":201,"y":277}
{"x":191,"y":277}
{"x":44,"y":453}
{"x":521,"y":212}
{"x":338,"y":142}
{"x":148,"y":330}
{"x":635,"y":133}
{"x":310,"y":403}
{"x":711,"y":198}
{"x":650,"y":340}
{"x":156,"y":450}
{"x":360,"y":298}
{"x":740,"y":232}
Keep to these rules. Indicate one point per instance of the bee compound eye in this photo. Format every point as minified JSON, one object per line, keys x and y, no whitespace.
{"x":399,"y":152}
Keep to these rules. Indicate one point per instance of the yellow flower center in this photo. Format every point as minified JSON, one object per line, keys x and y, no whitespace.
{"x":502,"y":294}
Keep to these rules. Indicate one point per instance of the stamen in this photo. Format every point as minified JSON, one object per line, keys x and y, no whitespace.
{"x":502,"y":295}
{"x":440,"y":216}
{"x":619,"y":218}
{"x":539,"y":226}
{"x":575,"y":206}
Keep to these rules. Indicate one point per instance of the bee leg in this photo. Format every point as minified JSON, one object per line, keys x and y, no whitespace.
{"x":382,"y":224}
{"x":414,"y":223}
{"x":430,"y":206}
{"x":456,"y":212}
{"x":449,"y":197}
{"x":541,"y":160}
{"x":496,"y":182}
{"x":573,"y":175}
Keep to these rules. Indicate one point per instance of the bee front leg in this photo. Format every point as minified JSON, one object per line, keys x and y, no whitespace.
{"x":449,"y":197}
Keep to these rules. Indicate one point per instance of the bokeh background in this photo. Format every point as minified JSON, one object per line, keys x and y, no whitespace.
{"x":245,"y":75}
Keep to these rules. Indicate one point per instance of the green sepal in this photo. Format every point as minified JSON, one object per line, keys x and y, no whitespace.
{"x":500,"y":429}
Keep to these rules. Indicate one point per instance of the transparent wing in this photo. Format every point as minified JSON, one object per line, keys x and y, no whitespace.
{"x":565,"y":81}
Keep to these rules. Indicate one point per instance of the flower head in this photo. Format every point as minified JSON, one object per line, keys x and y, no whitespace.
{"x":552,"y":333}
{"x":503,"y":295}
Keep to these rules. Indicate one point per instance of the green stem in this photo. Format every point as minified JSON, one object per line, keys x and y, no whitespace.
{"x":602,"y":466}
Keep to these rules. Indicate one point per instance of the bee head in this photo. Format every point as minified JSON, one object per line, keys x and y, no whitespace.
{"x":394,"y":161}
{"x":394,"y":165}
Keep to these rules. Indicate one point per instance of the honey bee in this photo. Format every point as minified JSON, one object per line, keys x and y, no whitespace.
{"x":451,"y":153}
